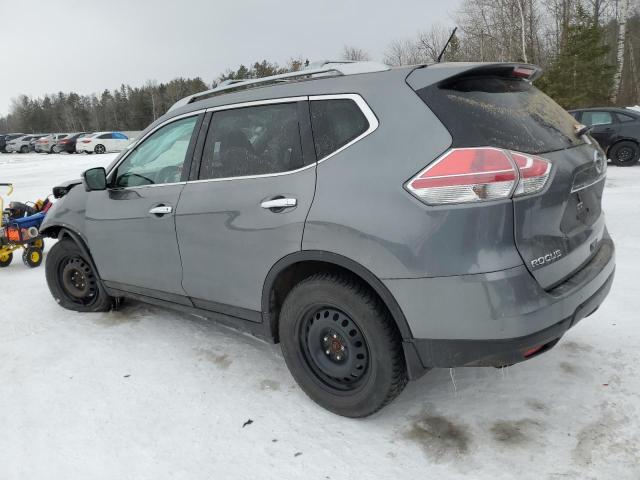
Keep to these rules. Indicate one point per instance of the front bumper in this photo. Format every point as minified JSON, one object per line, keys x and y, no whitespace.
{"x":492,"y":319}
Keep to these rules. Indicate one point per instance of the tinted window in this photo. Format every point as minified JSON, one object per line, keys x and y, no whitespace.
{"x":119,"y":136}
{"x":625,"y":118}
{"x":500,"y":112}
{"x":105,"y":136}
{"x":335,"y":123}
{"x":252,"y":141}
{"x":160,"y":158}
{"x":597,"y":118}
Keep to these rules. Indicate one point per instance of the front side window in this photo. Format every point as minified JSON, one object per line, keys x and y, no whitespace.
{"x":159,"y":159}
{"x":335,"y":123}
{"x":597,"y":118}
{"x":252,"y":141}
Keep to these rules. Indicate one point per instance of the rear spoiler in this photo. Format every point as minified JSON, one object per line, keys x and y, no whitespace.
{"x":426,"y":75}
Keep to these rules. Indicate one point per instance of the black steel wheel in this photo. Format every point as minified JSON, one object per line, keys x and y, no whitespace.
{"x":625,"y":154}
{"x":72,"y":280}
{"x":341,"y":345}
{"x":335,"y":348}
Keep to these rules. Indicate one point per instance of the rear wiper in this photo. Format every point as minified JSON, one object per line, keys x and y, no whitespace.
{"x":582,"y":130}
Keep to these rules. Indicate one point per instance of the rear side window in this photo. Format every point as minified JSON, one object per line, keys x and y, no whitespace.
{"x":105,"y":136}
{"x":500,"y":112}
{"x":335,"y":123}
{"x":625,"y":118}
{"x":252,"y":141}
{"x":597,"y":118}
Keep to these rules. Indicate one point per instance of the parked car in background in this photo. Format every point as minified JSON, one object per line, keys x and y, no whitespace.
{"x":68,"y":144}
{"x":6,"y":138}
{"x":102,"y":142}
{"x":46,"y":144}
{"x":493,"y":242}
{"x":617,"y":130}
{"x":23,"y":144}
{"x":34,"y":139}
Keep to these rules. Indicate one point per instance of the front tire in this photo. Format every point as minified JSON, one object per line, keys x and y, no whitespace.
{"x":72,"y":280}
{"x":341,"y":345}
{"x":5,"y":259}
{"x":625,"y":153}
{"x":32,"y":257}
{"x":24,"y":149}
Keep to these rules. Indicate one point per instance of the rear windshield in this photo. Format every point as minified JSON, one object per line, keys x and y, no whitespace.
{"x":500,"y":112}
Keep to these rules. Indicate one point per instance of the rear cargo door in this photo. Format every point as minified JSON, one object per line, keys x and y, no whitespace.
{"x":559,"y":229}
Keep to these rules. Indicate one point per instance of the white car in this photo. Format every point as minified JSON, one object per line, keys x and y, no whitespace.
{"x":102,"y":142}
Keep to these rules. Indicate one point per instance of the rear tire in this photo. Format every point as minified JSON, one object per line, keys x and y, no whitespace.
{"x":341,"y":345}
{"x":24,"y":149}
{"x":72,"y":280}
{"x":99,"y":149}
{"x":625,"y":153}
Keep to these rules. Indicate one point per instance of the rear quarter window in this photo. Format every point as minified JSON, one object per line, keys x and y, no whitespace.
{"x":501,"y":112}
{"x":335,"y":123}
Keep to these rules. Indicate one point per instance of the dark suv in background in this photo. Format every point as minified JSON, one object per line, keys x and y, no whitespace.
{"x":617,"y":130}
{"x":376,"y":222}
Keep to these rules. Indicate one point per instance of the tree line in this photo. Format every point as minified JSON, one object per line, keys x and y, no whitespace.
{"x":590,"y":50}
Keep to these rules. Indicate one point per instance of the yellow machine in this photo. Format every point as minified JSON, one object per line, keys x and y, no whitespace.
{"x":20,"y":233}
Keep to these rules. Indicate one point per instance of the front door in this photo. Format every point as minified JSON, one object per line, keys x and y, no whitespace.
{"x":247,"y":208}
{"x":131,"y":225}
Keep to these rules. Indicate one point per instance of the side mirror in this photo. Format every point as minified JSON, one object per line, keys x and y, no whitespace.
{"x":95,"y":179}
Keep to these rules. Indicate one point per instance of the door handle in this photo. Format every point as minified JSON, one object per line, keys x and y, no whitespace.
{"x":279,"y":203}
{"x":161,"y":210}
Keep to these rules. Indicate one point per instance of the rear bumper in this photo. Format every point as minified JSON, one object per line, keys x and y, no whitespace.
{"x":492,"y":319}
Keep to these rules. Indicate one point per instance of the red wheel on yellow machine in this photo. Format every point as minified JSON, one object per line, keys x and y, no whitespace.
{"x":32,"y":257}
{"x":5,"y":259}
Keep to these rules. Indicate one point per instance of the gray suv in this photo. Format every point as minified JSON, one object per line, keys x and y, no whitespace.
{"x":375,"y":222}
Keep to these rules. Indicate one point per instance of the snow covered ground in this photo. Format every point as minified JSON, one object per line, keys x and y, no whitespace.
{"x":148,"y":393}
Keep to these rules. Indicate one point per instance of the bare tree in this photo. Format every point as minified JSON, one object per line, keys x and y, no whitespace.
{"x":354,"y":54}
{"x":622,"y":27}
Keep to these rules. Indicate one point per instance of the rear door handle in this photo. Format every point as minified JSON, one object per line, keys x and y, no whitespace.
{"x":161,"y":210}
{"x":278,"y":203}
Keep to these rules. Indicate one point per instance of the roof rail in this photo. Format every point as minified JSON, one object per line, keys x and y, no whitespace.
{"x":316,"y":69}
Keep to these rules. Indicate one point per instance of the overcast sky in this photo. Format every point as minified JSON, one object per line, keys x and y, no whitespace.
{"x":87,"y":45}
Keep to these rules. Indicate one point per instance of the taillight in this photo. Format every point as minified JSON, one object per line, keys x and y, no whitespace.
{"x":86,"y":141}
{"x":465,"y":175}
{"x":534,"y":172}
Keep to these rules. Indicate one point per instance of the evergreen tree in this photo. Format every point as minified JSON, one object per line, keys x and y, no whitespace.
{"x":580,"y":75}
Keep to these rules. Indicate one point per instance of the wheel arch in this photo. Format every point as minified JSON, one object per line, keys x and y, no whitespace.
{"x":623,"y":139}
{"x":289,"y":270}
{"x":62,"y":232}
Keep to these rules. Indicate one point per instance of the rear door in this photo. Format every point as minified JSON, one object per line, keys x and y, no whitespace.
{"x":603,"y":126}
{"x":131,"y":226}
{"x":246,"y":206}
{"x":557,"y":230}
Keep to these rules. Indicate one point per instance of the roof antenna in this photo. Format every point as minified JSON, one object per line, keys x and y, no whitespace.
{"x":446,"y":44}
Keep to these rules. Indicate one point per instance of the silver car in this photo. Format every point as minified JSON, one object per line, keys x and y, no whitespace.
{"x":47,"y":144}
